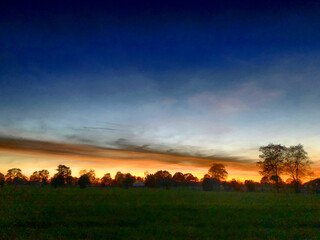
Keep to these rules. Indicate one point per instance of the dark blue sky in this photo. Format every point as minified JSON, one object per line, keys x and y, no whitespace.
{"x":59,"y":38}
{"x":221,"y":76}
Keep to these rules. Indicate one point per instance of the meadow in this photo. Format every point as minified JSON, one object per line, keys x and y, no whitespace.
{"x":94,"y":213}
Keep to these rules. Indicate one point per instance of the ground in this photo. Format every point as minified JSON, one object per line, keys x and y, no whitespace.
{"x":94,"y":213}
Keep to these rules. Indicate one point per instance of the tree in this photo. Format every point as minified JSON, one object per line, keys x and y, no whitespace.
{"x":106,"y":180}
{"x":118,"y":179}
{"x":62,"y":177}
{"x":124,"y":180}
{"x":40,"y":176}
{"x":150,"y":181}
{"x":91,"y":174}
{"x":189,"y":178}
{"x":12,"y":174}
{"x":64,"y":171}
{"x":210,"y":184}
{"x":128,"y":180}
{"x":218,"y":171}
{"x":20,"y":180}
{"x":44,"y":175}
{"x":178,"y":178}
{"x":163,"y":179}
{"x":272,"y":165}
{"x":264,"y":180}
{"x":1,"y":180}
{"x":35,"y":177}
{"x":84,"y":181}
{"x":297,"y":164}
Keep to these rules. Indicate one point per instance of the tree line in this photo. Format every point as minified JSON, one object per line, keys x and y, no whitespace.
{"x":276,"y":161}
{"x":63,"y":177}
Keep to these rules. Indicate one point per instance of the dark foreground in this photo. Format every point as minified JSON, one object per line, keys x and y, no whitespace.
{"x":155,"y":214}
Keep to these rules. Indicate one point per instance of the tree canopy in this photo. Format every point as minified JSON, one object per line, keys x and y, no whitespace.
{"x":218,"y":171}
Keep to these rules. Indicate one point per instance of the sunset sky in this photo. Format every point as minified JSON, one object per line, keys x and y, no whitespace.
{"x":142,"y":86}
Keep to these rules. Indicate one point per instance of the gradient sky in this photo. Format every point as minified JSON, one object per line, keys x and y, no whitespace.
{"x":161,"y":82}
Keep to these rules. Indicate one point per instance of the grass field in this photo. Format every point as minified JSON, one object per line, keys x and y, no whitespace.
{"x":155,"y":214}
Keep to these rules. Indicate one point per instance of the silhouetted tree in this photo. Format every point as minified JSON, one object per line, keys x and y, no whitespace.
{"x":106,"y":180}
{"x":297,"y":164}
{"x":2,"y":180}
{"x":118,"y":179}
{"x":178,"y":179}
{"x":272,"y":165}
{"x":40,"y":176}
{"x":150,"y":181}
{"x":91,"y":174}
{"x":189,"y":178}
{"x":44,"y":175}
{"x":35,"y":177}
{"x":264,"y":180}
{"x":218,"y":171}
{"x":206,"y":183}
{"x":124,"y":180}
{"x":138,"y":179}
{"x":128,"y":180}
{"x":62,"y":177}
{"x":12,"y":174}
{"x":18,"y":181}
{"x":163,"y":179}
{"x":210,"y":184}
{"x":64,"y":171}
{"x":84,"y":181}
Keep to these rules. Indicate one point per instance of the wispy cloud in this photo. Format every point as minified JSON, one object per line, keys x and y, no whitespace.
{"x":235,"y":100}
{"x":125,"y":151}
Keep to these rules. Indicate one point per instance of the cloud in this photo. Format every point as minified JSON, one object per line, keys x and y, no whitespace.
{"x":233,"y":101}
{"x":126,"y":152}
{"x":99,"y":128}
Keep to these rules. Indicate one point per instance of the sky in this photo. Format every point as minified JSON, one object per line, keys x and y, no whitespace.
{"x":142,"y":86}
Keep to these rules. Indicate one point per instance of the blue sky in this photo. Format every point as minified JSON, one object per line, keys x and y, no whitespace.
{"x":218,"y":78}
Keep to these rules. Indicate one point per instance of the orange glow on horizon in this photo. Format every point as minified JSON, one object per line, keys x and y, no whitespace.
{"x":33,"y":156}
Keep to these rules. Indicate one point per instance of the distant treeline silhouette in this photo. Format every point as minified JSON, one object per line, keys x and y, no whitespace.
{"x":275,"y":161}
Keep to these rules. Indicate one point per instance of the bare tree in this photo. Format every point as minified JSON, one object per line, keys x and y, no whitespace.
{"x":297,"y":164}
{"x":272,"y":165}
{"x":218,"y":171}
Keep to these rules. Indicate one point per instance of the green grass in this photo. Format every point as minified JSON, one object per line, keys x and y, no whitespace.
{"x":155,"y":214}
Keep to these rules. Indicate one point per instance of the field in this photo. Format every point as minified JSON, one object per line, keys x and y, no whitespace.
{"x":27,"y":213}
